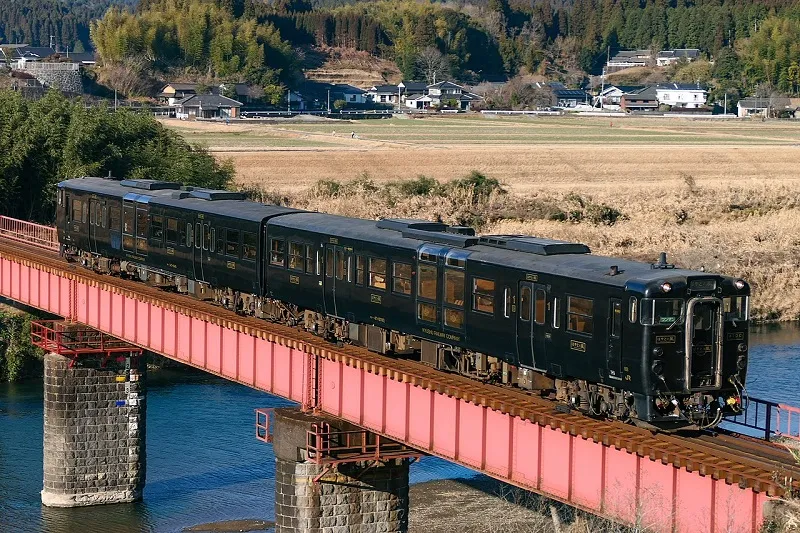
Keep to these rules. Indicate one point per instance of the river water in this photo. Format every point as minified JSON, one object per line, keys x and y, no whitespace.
{"x":204,"y":463}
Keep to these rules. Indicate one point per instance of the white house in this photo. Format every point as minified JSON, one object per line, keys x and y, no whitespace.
{"x":681,"y":95}
{"x":668,"y":57}
{"x":629,"y":58}
{"x":767,"y":105}
{"x":611,"y":95}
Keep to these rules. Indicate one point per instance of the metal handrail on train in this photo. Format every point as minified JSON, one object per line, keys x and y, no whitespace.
{"x":773,"y":419}
{"x":45,"y":237}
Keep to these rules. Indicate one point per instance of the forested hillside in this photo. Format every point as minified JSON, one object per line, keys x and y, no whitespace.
{"x":34,"y":21}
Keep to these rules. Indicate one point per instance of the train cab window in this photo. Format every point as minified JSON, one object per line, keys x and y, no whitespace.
{"x":115,"y":219}
{"x":507,"y":302}
{"x":249,"y":246}
{"x":426,"y":282}
{"x":525,"y":303}
{"x":401,"y":280}
{"x":377,"y":273}
{"x":540,"y":311}
{"x":329,"y":262}
{"x":77,"y":211}
{"x":360,"y":267}
{"x":297,"y":257}
{"x":232,"y":243}
{"x":426,"y":312}
{"x":736,"y":308}
{"x":483,"y":295}
{"x":633,"y":309}
{"x":309,"y":259}
{"x":580,"y":315}
{"x":157,"y":228}
{"x":340,"y":264}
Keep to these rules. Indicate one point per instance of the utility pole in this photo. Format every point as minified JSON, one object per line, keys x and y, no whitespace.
{"x":288,"y":101}
{"x":726,"y":103}
{"x":115,"y":99}
{"x":329,"y":101}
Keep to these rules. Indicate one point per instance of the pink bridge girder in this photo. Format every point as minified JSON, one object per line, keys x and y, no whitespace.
{"x":601,"y":479}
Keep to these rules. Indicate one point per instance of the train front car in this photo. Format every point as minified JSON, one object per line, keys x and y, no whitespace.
{"x":694,"y":348}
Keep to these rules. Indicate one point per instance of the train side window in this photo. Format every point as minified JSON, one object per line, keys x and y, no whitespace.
{"x":525,"y":303}
{"x":296,"y":257}
{"x":60,"y":196}
{"x":401,"y":281}
{"x":189,"y":238}
{"x":318,"y":263}
{"x":580,"y":315}
{"x":340,"y":264}
{"x":221,"y":241}
{"x":350,"y":268}
{"x":540,"y":312}
{"x":329,"y":262}
{"x":103,"y":216}
{"x":483,"y":295}
{"x":616,"y":319}
{"x":232,"y":243}
{"x":377,"y":273}
{"x":309,"y":259}
{"x":453,"y":318}
{"x":128,"y":219}
{"x":454,"y":287}
{"x":360,"y":267}
{"x":172,"y":231}
{"x":114,"y":219}
{"x":426,"y":312}
{"x":141,"y":223}
{"x":633,"y":310}
{"x":98,"y":215}
{"x":207,"y":237}
{"x":276,"y":252}
{"x":426,"y":282}
{"x":85,"y":206}
{"x":556,"y":313}
{"x":507,"y":302}
{"x":249,"y":246}
{"x":93,"y":214}
{"x":198,"y":235}
{"x":157,"y":228}
{"x":212,"y":239}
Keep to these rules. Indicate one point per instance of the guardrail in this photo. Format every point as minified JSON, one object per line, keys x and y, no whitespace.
{"x":45,"y":237}
{"x":772,"y":419}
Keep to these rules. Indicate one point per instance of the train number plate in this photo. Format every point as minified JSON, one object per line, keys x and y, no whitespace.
{"x":375,"y":298}
{"x":665,"y":339}
{"x":577,"y":346}
{"x":737,"y":336}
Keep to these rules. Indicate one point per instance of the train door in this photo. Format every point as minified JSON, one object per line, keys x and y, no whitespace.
{"x":543,"y":324}
{"x":142,"y":224}
{"x":525,"y":325}
{"x":94,"y":223}
{"x":703,"y":343}
{"x":203,"y":240}
{"x":336,"y":276}
{"x":614,"y":354}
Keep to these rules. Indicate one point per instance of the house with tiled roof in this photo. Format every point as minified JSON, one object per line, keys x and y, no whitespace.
{"x":207,"y":106}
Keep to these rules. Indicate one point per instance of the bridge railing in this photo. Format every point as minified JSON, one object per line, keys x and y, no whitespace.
{"x":45,"y":237}
{"x":768,"y":419}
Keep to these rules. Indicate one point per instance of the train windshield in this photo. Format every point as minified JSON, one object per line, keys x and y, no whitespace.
{"x":667,"y":312}
{"x":736,"y":308}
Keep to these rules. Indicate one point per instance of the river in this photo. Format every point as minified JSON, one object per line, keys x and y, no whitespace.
{"x":204,"y":463}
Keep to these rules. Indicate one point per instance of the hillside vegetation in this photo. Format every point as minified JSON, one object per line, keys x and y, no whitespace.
{"x":755,"y":45}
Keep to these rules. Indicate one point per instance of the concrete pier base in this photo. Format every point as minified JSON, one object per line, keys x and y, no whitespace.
{"x":349,"y":498}
{"x":94,"y":432}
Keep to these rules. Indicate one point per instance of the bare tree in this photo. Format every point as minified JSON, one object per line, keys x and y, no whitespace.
{"x":432,"y":63}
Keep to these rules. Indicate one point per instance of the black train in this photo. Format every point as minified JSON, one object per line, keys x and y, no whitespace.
{"x":630,"y":340}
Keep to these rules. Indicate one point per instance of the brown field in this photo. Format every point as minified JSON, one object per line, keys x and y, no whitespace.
{"x":720,"y":195}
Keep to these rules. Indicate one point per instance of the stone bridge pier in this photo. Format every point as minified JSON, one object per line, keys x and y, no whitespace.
{"x":94,"y":422}
{"x":332,"y":477}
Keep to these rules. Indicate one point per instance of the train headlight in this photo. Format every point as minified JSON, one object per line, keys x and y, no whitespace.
{"x":739,"y":284}
{"x":666,"y":287}
{"x":742,"y":347}
{"x":658,"y":367}
{"x":658,"y":351}
{"x":741,"y":362}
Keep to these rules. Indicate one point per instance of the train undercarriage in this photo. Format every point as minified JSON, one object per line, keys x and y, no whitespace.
{"x":590,"y":398}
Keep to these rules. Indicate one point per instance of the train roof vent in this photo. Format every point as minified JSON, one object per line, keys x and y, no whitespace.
{"x":441,"y":237}
{"x":534,"y":245}
{"x":211,"y":195}
{"x":150,"y":185}
{"x":404,"y":224}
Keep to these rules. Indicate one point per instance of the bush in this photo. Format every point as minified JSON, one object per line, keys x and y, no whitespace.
{"x":479,"y":185}
{"x":421,"y":186}
{"x":18,"y":357}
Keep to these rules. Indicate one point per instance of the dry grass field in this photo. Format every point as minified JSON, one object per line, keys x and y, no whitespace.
{"x":720,"y":195}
